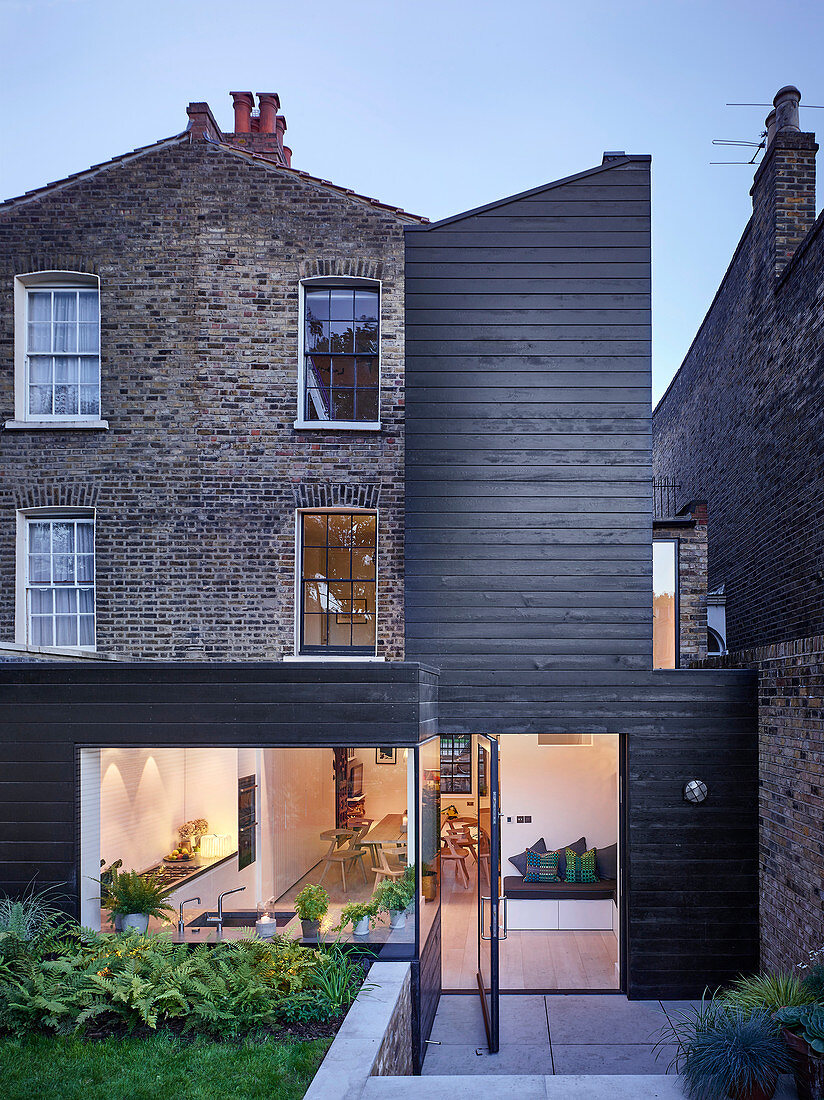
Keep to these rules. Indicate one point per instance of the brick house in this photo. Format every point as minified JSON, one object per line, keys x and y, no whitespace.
{"x":312,"y":512}
{"x":741,"y":426}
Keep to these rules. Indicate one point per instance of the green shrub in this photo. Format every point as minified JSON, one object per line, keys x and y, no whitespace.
{"x":806,"y":1021}
{"x":813,"y":982}
{"x":767,"y":991}
{"x":723,"y":1049}
{"x":312,"y":903}
{"x":394,"y":895}
{"x":130,"y":892}
{"x":224,"y":990}
{"x":29,"y":924}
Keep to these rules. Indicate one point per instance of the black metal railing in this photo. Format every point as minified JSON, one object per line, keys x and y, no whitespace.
{"x":665,"y":493}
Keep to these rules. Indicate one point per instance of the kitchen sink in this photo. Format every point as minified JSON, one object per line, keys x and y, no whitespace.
{"x":236,"y":918}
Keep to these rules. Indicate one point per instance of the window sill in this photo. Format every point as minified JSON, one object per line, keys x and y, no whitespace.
{"x":315,"y":658}
{"x":56,"y":425}
{"x":338,"y":425}
{"x":54,"y":651}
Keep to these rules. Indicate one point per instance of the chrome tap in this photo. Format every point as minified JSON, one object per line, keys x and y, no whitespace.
{"x":218,"y":920}
{"x":180,"y":924}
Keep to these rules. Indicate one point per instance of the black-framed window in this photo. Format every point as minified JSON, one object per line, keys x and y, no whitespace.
{"x":456,"y":763}
{"x":341,"y":365}
{"x":338,"y":554}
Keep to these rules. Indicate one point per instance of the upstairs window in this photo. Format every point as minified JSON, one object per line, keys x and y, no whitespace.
{"x":57,"y":322}
{"x":338,"y":578}
{"x":60,"y":582}
{"x":341,"y":370}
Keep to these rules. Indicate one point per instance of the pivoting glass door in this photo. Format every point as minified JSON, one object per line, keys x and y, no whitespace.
{"x":489,"y":887}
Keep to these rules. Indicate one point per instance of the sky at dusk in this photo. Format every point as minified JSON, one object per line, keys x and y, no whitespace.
{"x":435,"y":106}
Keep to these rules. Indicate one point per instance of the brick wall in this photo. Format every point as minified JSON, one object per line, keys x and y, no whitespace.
{"x":691,"y":533}
{"x":791,"y":799}
{"x":199,"y":252}
{"x":743,"y":421}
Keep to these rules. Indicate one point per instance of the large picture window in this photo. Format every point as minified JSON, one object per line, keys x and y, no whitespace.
{"x":62,"y":344}
{"x":338,"y":552}
{"x":340,"y":343}
{"x":60,"y":582}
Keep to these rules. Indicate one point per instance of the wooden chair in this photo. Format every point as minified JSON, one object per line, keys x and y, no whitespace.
{"x":342,"y":853}
{"x":384,"y":869}
{"x":451,"y":853}
{"x":462,"y":838}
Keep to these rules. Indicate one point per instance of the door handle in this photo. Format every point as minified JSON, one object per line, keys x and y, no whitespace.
{"x":483,"y":937}
{"x":502,"y":902}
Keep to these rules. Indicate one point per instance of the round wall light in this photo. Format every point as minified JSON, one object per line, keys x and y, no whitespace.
{"x":695,"y":791}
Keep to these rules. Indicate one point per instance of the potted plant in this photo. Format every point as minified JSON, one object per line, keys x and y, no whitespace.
{"x":311,"y":905}
{"x":725,"y":1049}
{"x":133,"y":898}
{"x":360,"y":915}
{"x":803,"y":1031}
{"x":394,"y":896}
{"x":429,"y":882}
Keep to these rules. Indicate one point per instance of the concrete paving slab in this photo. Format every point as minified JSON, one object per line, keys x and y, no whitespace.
{"x":459,"y":1020}
{"x":512,"y":1059}
{"x":675,"y":1007}
{"x":501,"y":1087}
{"x":610,"y":1058}
{"x":603,"y":1020}
{"x":523,"y":1020}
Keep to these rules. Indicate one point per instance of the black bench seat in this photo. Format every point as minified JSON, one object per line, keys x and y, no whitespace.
{"x":518,"y":890}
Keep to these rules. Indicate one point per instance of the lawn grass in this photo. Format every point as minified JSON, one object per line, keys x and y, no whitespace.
{"x":156,"y":1068}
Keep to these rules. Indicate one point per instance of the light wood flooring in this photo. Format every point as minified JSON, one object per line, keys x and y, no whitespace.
{"x":528,"y":960}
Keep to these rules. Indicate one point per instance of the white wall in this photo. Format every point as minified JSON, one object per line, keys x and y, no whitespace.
{"x":385,"y":785}
{"x":569,"y":790}
{"x":299,"y":806}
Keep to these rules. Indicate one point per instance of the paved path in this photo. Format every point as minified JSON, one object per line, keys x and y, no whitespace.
{"x":504,"y":1087}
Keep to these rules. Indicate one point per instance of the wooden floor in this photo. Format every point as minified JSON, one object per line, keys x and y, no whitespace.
{"x":529,"y":960}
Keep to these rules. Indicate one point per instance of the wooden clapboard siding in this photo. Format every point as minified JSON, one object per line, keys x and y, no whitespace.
{"x":50,"y":709}
{"x":528,"y":434}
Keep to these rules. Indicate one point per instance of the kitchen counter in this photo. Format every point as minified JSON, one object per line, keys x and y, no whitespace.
{"x":185,"y":871}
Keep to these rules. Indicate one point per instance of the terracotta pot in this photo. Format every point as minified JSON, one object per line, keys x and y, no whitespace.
{"x":808,"y":1068}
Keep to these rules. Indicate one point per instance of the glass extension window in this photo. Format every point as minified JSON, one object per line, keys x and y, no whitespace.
{"x":456,"y":763}
{"x":60,"y":582}
{"x":338,"y":578}
{"x":62,"y":353}
{"x":341,"y":368}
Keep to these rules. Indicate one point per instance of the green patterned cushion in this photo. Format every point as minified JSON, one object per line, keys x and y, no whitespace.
{"x":541,"y":867}
{"x":581,"y":868}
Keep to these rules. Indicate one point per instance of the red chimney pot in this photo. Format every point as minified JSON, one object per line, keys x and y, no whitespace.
{"x":243,"y":103}
{"x":269,"y":103}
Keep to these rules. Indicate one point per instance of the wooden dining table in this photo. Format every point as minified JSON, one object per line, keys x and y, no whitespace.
{"x":389,"y":830}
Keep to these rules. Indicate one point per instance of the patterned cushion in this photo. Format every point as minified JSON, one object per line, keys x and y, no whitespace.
{"x":541,"y":867}
{"x":581,"y":868}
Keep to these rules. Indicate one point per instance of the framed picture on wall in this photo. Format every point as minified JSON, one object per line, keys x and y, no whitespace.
{"x":385,"y":754}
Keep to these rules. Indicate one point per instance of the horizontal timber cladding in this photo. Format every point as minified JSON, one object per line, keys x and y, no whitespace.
{"x":50,"y":709}
{"x":528,"y":510}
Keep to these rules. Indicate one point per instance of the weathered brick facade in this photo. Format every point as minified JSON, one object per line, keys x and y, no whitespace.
{"x":199,"y":249}
{"x":690,"y":530}
{"x":742,"y":425}
{"x":791,"y":802}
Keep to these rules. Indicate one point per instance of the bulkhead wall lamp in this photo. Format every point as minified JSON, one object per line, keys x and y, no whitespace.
{"x":695,"y":791}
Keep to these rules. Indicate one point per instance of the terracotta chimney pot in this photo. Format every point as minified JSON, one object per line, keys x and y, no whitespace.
{"x":269,"y":103}
{"x":243,"y":103}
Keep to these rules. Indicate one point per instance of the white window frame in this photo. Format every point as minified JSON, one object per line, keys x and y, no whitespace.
{"x":335,"y":425}
{"x":47,"y":280}
{"x":21,"y":610}
{"x":333,"y":657}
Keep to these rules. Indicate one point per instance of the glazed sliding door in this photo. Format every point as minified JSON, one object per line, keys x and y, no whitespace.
{"x":489,"y":888}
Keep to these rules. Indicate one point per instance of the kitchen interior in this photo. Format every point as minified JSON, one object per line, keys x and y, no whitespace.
{"x":235,"y":833}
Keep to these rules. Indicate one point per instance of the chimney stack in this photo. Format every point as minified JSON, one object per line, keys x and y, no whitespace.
{"x":242,"y":102}
{"x":783,"y":191}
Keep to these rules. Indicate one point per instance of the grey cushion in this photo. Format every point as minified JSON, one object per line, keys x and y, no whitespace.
{"x":606,"y":861}
{"x":519,"y":861}
{"x":579,"y":847}
{"x":515,"y":888}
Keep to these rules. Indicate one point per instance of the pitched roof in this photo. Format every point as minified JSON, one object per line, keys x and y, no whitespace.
{"x":186,"y":137}
{"x":87,"y":173}
{"x":261,"y":158}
